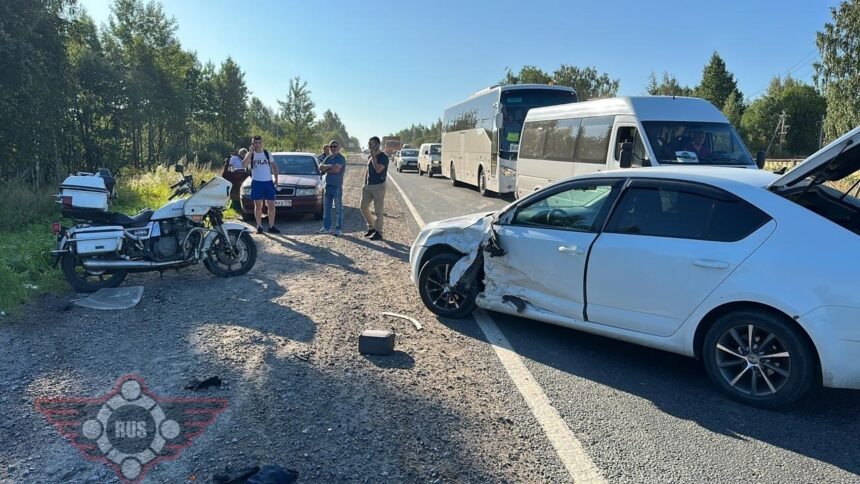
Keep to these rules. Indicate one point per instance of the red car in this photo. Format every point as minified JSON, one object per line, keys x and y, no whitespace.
{"x":300,"y":186}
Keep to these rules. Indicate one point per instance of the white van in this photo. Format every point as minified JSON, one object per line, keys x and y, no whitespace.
{"x":430,"y":159}
{"x":561,"y":141}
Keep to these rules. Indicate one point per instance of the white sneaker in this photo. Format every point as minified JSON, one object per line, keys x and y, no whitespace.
{"x":324,"y":231}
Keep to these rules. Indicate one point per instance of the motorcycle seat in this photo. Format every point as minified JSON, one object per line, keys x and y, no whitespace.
{"x":138,"y":220}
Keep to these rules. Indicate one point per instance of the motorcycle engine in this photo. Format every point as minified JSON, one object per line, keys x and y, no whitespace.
{"x":166,"y":247}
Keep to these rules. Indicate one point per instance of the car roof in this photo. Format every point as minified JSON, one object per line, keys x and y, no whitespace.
{"x":646,"y":108}
{"x":720,"y":176}
{"x":303,"y":153}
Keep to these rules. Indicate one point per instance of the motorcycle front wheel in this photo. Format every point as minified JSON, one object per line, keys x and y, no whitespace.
{"x":223,"y":261}
{"x":84,"y":280}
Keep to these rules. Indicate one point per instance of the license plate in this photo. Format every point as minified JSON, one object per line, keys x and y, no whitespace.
{"x":283,"y":203}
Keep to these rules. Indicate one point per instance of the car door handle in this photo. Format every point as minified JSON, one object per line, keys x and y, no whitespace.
{"x":711,"y":264}
{"x":571,"y":249}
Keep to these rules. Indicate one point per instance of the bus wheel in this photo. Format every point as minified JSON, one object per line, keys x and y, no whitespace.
{"x":454,"y":177}
{"x":482,"y":183}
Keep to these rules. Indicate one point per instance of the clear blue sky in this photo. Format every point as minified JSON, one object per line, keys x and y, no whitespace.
{"x":383,"y":65}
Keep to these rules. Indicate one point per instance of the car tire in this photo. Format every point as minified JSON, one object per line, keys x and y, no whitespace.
{"x":318,"y":215}
{"x":749,"y":376}
{"x":431,"y":280}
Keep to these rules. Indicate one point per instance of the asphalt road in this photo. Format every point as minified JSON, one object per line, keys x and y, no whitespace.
{"x":648,"y":416}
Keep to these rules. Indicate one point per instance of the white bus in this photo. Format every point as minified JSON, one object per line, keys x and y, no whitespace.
{"x":480,"y":136}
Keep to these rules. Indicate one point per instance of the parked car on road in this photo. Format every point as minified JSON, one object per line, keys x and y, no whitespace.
{"x":754,"y":273}
{"x":407,"y":159}
{"x":430,"y":159}
{"x":300,"y":186}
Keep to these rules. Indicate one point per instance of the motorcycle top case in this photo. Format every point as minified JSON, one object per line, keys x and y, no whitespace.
{"x":85,"y":191}
{"x":98,"y":240}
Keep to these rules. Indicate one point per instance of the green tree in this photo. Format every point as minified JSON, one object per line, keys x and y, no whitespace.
{"x":668,"y":86}
{"x":588,"y":83}
{"x":837,"y":74}
{"x":298,"y":114}
{"x":717,"y":82}
{"x":526,"y":75}
{"x":734,"y":108}
{"x":803,"y":106}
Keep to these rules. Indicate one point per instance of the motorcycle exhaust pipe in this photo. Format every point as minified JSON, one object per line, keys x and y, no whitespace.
{"x":101,"y":264}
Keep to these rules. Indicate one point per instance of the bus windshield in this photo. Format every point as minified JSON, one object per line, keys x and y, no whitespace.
{"x":515,"y":106}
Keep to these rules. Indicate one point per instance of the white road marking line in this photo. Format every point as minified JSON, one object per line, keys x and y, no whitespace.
{"x":568,"y":448}
{"x":566,"y":445}
{"x":409,"y":205}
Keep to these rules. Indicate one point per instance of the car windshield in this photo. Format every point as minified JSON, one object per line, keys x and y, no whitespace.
{"x":681,"y":142}
{"x":296,"y":165}
{"x":409,"y":153}
{"x":436,"y":150}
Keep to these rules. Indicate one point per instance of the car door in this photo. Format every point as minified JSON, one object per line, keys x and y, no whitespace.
{"x":547,"y":239}
{"x":667,"y":245}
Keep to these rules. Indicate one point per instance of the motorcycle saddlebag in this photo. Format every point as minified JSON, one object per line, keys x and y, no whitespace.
{"x":98,"y":240}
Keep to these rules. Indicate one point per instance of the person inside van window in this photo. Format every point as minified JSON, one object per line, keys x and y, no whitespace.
{"x":696,"y":143}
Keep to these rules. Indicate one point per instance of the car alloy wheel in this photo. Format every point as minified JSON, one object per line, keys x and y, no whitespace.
{"x":753,"y":360}
{"x":437,"y":292}
{"x":759,"y":358}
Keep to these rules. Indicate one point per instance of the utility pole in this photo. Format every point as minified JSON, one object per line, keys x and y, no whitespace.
{"x":821,"y":133}
{"x":781,"y":130}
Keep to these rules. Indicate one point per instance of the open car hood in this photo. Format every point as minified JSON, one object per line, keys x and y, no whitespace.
{"x":834,"y":162}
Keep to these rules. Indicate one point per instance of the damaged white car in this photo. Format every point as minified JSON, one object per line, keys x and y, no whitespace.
{"x":755,"y":273}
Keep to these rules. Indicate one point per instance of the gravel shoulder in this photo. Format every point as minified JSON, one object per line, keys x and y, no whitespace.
{"x":284,"y":338}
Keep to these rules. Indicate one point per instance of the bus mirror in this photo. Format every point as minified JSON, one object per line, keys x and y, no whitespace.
{"x":499,"y":119}
{"x":626,"y":157}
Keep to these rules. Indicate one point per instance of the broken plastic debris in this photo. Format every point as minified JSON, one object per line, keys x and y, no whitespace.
{"x":212,"y":381}
{"x":519,"y":303}
{"x":403,"y":316}
{"x":231,"y":476}
{"x":273,"y":474}
{"x":112,"y":298}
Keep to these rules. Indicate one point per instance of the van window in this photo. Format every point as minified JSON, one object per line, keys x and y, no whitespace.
{"x":531,"y":145}
{"x":561,"y":139}
{"x":593,"y":142}
{"x":630,"y":134}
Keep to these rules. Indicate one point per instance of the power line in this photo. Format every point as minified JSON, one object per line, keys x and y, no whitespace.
{"x":803,"y":63}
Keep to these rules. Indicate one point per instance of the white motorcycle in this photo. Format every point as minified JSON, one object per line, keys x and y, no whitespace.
{"x":104,"y":247}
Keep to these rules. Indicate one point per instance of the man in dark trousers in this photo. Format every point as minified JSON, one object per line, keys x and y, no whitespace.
{"x":333,"y":168}
{"x":374,"y":189}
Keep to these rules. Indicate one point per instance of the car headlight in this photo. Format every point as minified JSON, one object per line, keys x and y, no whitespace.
{"x":304,"y":192}
{"x":509,"y":172}
{"x":246,"y":191}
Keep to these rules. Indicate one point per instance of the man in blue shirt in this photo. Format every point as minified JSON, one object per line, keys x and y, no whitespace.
{"x":333,"y":167}
{"x":374,"y":189}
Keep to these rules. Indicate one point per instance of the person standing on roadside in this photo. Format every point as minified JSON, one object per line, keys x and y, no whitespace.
{"x":326,"y":151}
{"x":333,"y":168}
{"x":234,"y":172}
{"x":263,"y":171}
{"x":374,"y":189}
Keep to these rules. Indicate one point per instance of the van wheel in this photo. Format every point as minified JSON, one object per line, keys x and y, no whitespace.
{"x":759,"y":358}
{"x":429,"y":171}
{"x":420,"y":173}
{"x":482,"y":183}
{"x":454,"y":177}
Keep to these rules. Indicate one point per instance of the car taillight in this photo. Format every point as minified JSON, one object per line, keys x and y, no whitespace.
{"x":66,"y":201}
{"x":55,"y":228}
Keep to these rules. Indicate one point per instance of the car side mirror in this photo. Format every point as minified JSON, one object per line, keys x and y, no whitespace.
{"x":759,"y":159}
{"x":625,"y":159}
{"x":179,"y":168}
{"x":426,"y":152}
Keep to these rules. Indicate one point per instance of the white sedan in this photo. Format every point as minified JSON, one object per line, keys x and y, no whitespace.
{"x":756,"y":274}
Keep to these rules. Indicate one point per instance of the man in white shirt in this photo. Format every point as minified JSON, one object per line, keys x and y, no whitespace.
{"x":263,"y":171}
